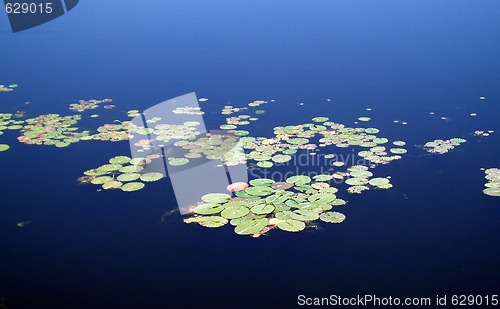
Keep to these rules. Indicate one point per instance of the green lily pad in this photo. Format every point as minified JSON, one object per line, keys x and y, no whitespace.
{"x":376,"y":182}
{"x":281,"y":158}
{"x":304,"y":215}
{"x":119,"y":160}
{"x":399,"y":143}
{"x":110,"y":167}
{"x":140,"y":161}
{"x":178,"y":161}
{"x":323,"y":177}
{"x":364,"y":119}
{"x":356,"y":181}
{"x":153,"y":176}
{"x":132,"y":186}
{"x":101,"y":180}
{"x":322,"y":198}
{"x":113,"y":184}
{"x":291,"y":225}
{"x":95,"y":172}
{"x":216,"y":198}
{"x":234,"y":212}
{"x":131,"y":169}
{"x":372,"y":130}
{"x":398,"y":150}
{"x":265,"y":164}
{"x":259,"y":191}
{"x":208,"y":209}
{"x":262,"y":209}
{"x":320,"y":119}
{"x":492,"y":191}
{"x":212,"y":221}
{"x":299,"y":180}
{"x":251,"y":226}
{"x":128,"y":177}
{"x":259,"y":182}
{"x":332,"y":217}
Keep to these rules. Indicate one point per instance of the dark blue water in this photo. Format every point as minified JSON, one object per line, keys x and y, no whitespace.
{"x":434,"y":233}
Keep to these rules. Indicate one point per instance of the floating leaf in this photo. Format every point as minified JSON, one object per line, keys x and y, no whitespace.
{"x":128,"y":177}
{"x":378,"y":182}
{"x":152,"y":176}
{"x":213,"y":221}
{"x":234,"y":212}
{"x":216,"y":198}
{"x":265,"y":164}
{"x":320,"y":119}
{"x":332,"y":217}
{"x":364,"y":119}
{"x":4,"y":147}
{"x":261,"y":182}
{"x":298,"y":180}
{"x":304,"y":215}
{"x":250,"y":226}
{"x":281,"y":158}
{"x":113,"y":184}
{"x":208,"y":209}
{"x":259,"y":191}
{"x":372,"y":130}
{"x":291,"y":225}
{"x":178,"y":161}
{"x":101,"y":180}
{"x":492,"y":191}
{"x":119,"y":160}
{"x":132,"y":186}
{"x":262,"y":209}
{"x":398,"y":150}
{"x":356,"y":181}
{"x":131,"y":169}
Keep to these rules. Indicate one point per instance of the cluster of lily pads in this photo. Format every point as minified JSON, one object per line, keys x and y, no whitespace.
{"x":4,"y":88}
{"x":493,"y":184}
{"x":84,"y":105}
{"x":266,"y":204}
{"x":121,"y":172}
{"x":440,"y":146}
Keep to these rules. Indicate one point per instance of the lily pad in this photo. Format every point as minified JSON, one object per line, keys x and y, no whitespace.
{"x":356,"y":181}
{"x":251,"y":226}
{"x":213,"y":221}
{"x":376,"y":182}
{"x":113,"y":184}
{"x":299,"y":180}
{"x":4,"y":147}
{"x":101,"y":180}
{"x":259,"y":182}
{"x":492,"y":191}
{"x":234,"y":212}
{"x":119,"y":160}
{"x":265,"y":164}
{"x":259,"y":191}
{"x":398,"y":150}
{"x":132,"y":186}
{"x":291,"y":225}
{"x":152,"y":176}
{"x":216,"y":198}
{"x":332,"y":217}
{"x":281,"y":158}
{"x":178,"y":161}
{"x":208,"y":209}
{"x":304,"y":215}
{"x":262,"y":209}
{"x":128,"y":177}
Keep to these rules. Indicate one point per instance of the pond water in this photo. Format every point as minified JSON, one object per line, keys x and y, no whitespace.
{"x":434,"y":233}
